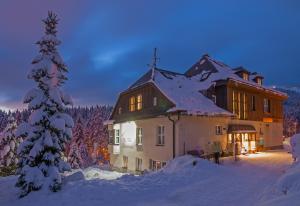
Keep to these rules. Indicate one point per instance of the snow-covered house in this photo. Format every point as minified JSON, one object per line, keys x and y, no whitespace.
{"x":165,"y":114}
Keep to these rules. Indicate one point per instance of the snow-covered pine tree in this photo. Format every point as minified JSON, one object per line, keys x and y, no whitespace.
{"x":78,"y":155}
{"x":9,"y":143}
{"x":48,"y":127}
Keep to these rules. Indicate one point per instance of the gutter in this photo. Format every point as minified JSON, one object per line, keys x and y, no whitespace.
{"x":174,"y":121}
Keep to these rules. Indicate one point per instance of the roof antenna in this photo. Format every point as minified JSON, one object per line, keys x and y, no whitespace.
{"x":154,"y":63}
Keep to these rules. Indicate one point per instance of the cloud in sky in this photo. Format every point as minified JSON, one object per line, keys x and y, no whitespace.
{"x":108,"y":44}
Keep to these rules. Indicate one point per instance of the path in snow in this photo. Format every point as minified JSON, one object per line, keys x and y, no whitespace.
{"x":247,"y":182}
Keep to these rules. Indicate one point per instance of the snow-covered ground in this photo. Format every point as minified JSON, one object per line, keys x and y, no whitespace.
{"x":253,"y":180}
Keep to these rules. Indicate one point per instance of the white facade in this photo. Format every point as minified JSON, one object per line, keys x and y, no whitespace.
{"x":191,"y":133}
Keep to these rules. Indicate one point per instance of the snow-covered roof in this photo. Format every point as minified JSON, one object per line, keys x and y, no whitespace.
{"x":223,"y":72}
{"x":185,"y":94}
{"x":184,"y":90}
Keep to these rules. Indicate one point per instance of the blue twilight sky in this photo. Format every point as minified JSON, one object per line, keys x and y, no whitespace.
{"x":108,"y":44}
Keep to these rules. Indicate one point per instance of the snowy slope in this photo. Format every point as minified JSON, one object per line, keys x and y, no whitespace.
{"x":249,"y":182}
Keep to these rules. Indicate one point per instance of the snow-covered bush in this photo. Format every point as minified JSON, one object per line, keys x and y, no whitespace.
{"x":9,"y":143}
{"x":295,"y":146}
{"x":49,"y":127}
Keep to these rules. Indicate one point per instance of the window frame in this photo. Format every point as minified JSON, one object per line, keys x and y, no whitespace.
{"x":219,"y":130}
{"x":267,"y":105}
{"x":132,"y":103}
{"x":160,"y":141}
{"x":245,"y":76}
{"x":138,"y":164}
{"x":139,"y":102}
{"x":253,"y":103}
{"x":139,"y":136}
{"x":117,"y":136}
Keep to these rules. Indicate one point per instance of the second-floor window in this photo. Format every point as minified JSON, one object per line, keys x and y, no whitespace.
{"x":160,"y":135}
{"x":132,"y":104}
{"x":245,"y":105}
{"x":135,"y":103}
{"x":236,"y":103}
{"x":117,"y":136}
{"x":139,"y":102}
{"x":218,"y":130}
{"x":253,"y":106}
{"x":139,"y":136}
{"x":267,"y":105}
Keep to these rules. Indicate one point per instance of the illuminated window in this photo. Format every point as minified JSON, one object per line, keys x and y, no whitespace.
{"x":125,"y":162}
{"x":259,"y":81}
{"x":120,"y":110}
{"x":138,"y":164}
{"x":236,"y":103}
{"x":245,"y":100}
{"x":156,"y":165}
{"x":139,"y":136}
{"x":139,"y":102}
{"x":218,"y":130}
{"x":154,"y":101}
{"x":245,"y":76}
{"x":132,"y":104}
{"x":117,"y":136}
{"x":253,"y":106}
{"x":230,"y":138}
{"x":160,"y":135}
{"x":267,"y":105}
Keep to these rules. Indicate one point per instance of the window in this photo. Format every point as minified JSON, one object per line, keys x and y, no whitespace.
{"x":117,"y":136}
{"x":139,"y":102}
{"x":111,"y":136}
{"x":245,"y":76}
{"x":267,"y":106}
{"x":259,"y":81}
{"x":120,"y":110}
{"x":132,"y":104}
{"x":160,"y":135}
{"x":218,"y":130}
{"x":138,"y":164}
{"x":236,"y":103}
{"x":156,"y":165}
{"x":139,"y":136}
{"x":154,"y":101}
{"x":245,"y":106}
{"x":214,"y":98}
{"x":253,"y":107}
{"x":125,"y":162}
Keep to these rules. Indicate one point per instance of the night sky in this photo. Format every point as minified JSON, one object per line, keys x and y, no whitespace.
{"x":108,"y":44}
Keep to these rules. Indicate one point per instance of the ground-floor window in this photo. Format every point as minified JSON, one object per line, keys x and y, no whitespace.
{"x":125,"y":162}
{"x":138,"y":164}
{"x":156,"y":165}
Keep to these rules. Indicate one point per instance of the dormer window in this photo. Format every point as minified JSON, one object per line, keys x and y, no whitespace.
{"x":246,"y":76}
{"x":259,"y":81}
